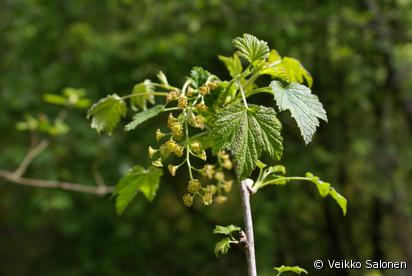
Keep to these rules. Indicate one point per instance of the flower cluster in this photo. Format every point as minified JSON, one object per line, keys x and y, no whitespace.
{"x":177,"y":141}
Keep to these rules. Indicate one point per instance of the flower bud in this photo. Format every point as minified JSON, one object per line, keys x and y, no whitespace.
{"x":187,"y":200}
{"x":151,"y":151}
{"x":196,"y":147}
{"x":172,"y":169}
{"x":202,"y":155}
{"x":220,"y":199}
{"x":172,"y":95}
{"x":208,"y":171}
{"x":159,"y":135}
{"x":193,"y":186}
{"x":201,"y":107}
{"x":171,"y":120}
{"x":212,"y":85}
{"x":197,"y":121}
{"x":207,"y":199}
{"x":227,"y":164}
{"x":219,"y":176}
{"x":182,"y":102}
{"x":178,"y":151}
{"x":171,"y":146}
{"x":204,"y":90}
{"x":190,"y":92}
{"x":177,"y":130}
{"x":227,"y":186}
{"x":157,"y":163}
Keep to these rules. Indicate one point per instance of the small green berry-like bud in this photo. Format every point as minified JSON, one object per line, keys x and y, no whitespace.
{"x":207,"y":199}
{"x":172,"y":169}
{"x":193,"y":186}
{"x":159,"y":135}
{"x":187,"y":200}
{"x":151,"y":152}
{"x":157,"y":163}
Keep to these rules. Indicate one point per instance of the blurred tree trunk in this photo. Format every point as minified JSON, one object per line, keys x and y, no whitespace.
{"x":389,"y":163}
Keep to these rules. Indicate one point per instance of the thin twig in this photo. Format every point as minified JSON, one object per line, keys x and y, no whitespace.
{"x":31,"y":154}
{"x":245,"y":192}
{"x":49,"y":184}
{"x":97,"y":176}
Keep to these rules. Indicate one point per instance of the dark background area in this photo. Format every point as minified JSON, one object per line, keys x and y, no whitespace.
{"x":360,"y":56}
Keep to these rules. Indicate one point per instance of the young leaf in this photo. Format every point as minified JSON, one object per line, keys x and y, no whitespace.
{"x":304,"y":106}
{"x":295,"y":269}
{"x":107,"y":113}
{"x":137,"y":179}
{"x":140,"y":117}
{"x":247,"y":133}
{"x":233,"y":64}
{"x":199,"y":76}
{"x":325,"y":189}
{"x":251,"y":48}
{"x":288,"y":70}
{"x":141,"y":101}
{"x":222,"y":246}
{"x":226,"y":230}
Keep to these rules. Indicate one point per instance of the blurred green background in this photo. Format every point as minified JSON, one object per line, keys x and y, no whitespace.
{"x":360,"y":55}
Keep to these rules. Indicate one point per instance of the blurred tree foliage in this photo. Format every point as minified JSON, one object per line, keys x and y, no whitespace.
{"x":360,"y":54}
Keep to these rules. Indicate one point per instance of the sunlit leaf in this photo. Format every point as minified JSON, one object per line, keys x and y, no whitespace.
{"x":137,"y":179}
{"x":140,"y":117}
{"x":106,"y":113}
{"x":304,"y":106}
{"x":247,"y":133}
{"x":251,"y":48}
{"x":233,"y":64}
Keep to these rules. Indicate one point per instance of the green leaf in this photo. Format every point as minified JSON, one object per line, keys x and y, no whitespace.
{"x":341,"y":200}
{"x":140,"y":117}
{"x":137,"y":179}
{"x":274,"y":57}
{"x":233,"y":64}
{"x":55,"y":99}
{"x":222,"y":246}
{"x":226,"y":230}
{"x":304,"y":106}
{"x":199,"y":76}
{"x":288,"y":69}
{"x":106,"y":113}
{"x":295,"y":269}
{"x":325,"y":189}
{"x":141,"y":101}
{"x":71,"y":97}
{"x":247,"y":133}
{"x":251,"y":48}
